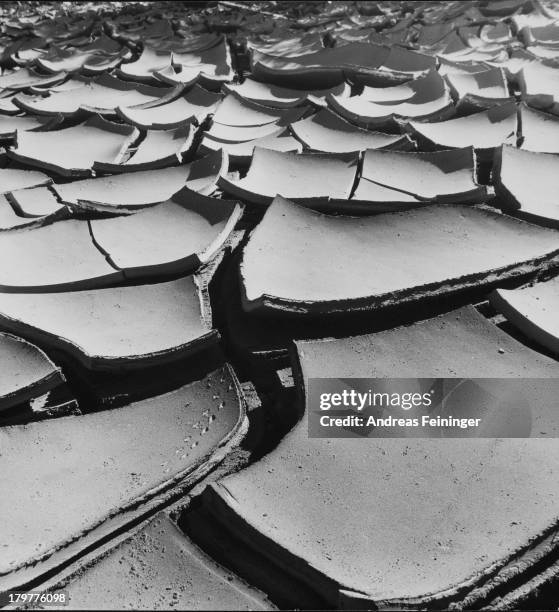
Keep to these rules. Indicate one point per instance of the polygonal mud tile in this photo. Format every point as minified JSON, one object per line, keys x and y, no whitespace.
{"x":441,"y":176}
{"x":383,"y":260}
{"x":313,"y":178}
{"x":143,"y":69}
{"x":175,"y":237}
{"x":59,"y":257}
{"x":129,"y":192}
{"x":327,"y":132}
{"x":35,"y":202}
{"x":244,"y":113}
{"x":72,"y":151}
{"x":115,"y":328}
{"x":432,"y":103}
{"x":27,"y":373}
{"x":193,"y":106}
{"x":158,"y":149}
{"x":533,"y":310}
{"x":539,"y":84}
{"x":27,"y":77}
{"x":282,"y":97}
{"x":540,"y":131}
{"x":478,"y":91}
{"x":241,"y":152}
{"x":13,"y":178}
{"x":101,"y":95}
{"x":532,"y":199}
{"x":484,"y":131}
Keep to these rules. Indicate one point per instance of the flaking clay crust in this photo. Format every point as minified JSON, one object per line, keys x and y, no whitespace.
{"x":483,"y":130}
{"x":114,"y":328}
{"x":533,"y":200}
{"x":27,"y":77}
{"x":442,"y":248}
{"x":540,"y":86}
{"x":134,"y":190}
{"x":172,"y":237}
{"x":100,"y":95}
{"x":150,"y":61}
{"x":320,"y":70}
{"x":194,"y":105}
{"x":439,"y":176}
{"x":158,"y":149}
{"x":119,"y":459}
{"x":431,"y":101}
{"x":14,"y":178}
{"x":34,"y":202}
{"x":26,"y":371}
{"x":298,"y":190}
{"x":213,"y":64}
{"x":533,"y":310}
{"x":540,"y":131}
{"x":481,"y":89}
{"x":234,"y":134}
{"x":104,"y":53}
{"x":312,"y":176}
{"x":365,"y":63}
{"x":38,"y":212}
{"x":238,"y":112}
{"x":149,"y":569}
{"x":327,"y":132}
{"x":443,"y":540}
{"x":9,"y":125}
{"x":241,"y":152}
{"x":283,"y":97}
{"x":56,"y":257}
{"x":72,"y":151}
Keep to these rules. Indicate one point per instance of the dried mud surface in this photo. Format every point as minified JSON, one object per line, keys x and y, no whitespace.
{"x":204,"y":204}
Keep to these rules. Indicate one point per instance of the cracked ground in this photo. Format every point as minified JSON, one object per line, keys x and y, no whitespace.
{"x":205,"y":207}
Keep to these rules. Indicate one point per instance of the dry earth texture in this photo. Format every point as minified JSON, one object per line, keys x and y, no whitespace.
{"x":205,"y":204}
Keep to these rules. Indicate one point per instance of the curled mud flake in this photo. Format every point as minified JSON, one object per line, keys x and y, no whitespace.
{"x":467,"y":261}
{"x":532,"y":310}
{"x":87,"y":329}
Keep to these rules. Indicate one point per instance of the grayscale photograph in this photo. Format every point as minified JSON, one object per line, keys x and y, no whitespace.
{"x":279,"y":305}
